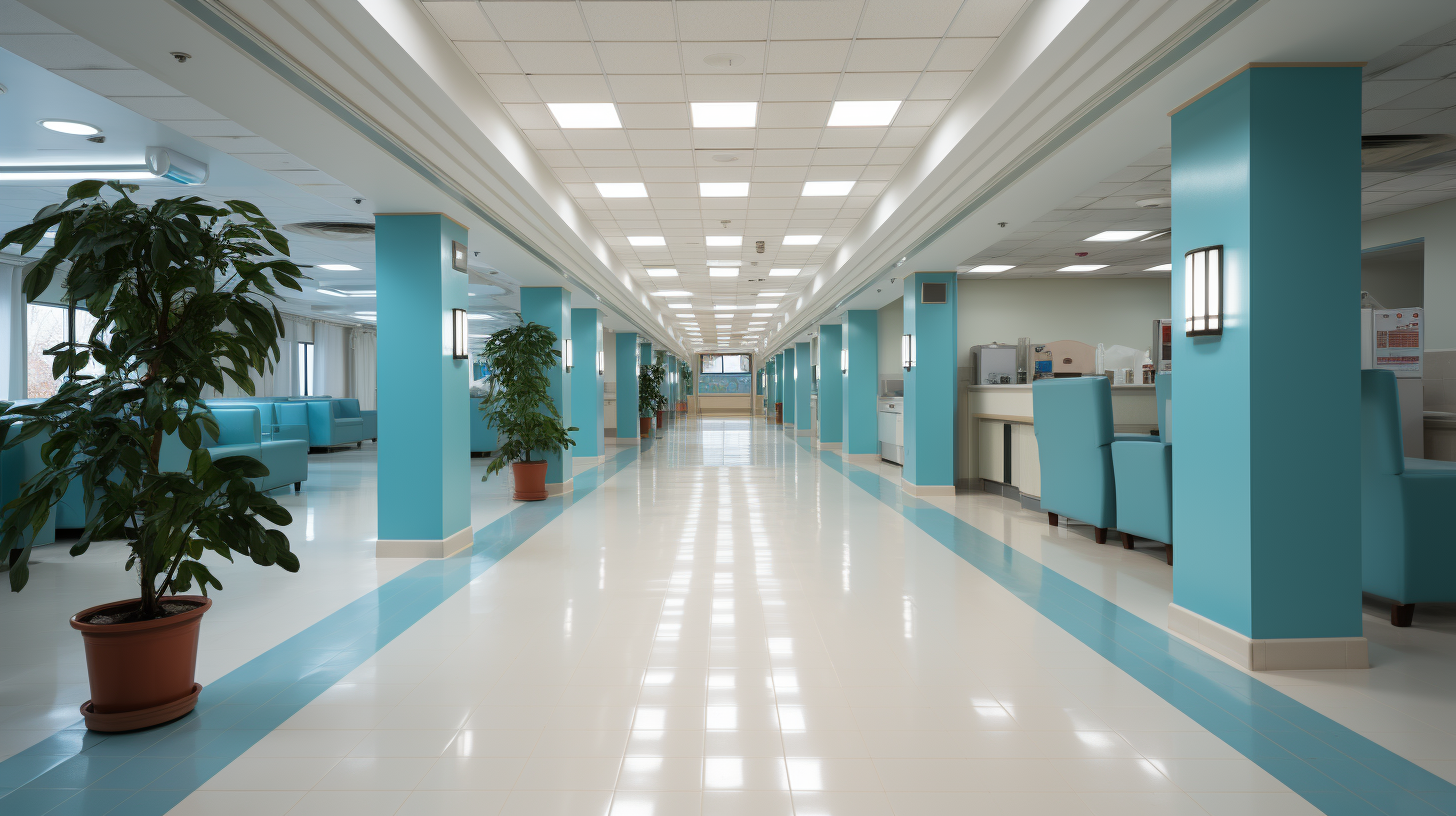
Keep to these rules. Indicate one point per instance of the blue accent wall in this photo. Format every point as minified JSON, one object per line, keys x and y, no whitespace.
{"x":831,"y":384}
{"x":787,"y":390}
{"x":424,"y":393}
{"x":803,"y":385}
{"x":1266,"y":484}
{"x":862,"y":383}
{"x":586,"y":383}
{"x":551,"y":307}
{"x":930,"y":385}
{"x":627,"y":350}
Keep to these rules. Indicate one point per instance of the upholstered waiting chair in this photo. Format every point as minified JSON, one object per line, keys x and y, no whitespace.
{"x":1407,"y":553}
{"x":1144,"y":474}
{"x":1073,"y":425}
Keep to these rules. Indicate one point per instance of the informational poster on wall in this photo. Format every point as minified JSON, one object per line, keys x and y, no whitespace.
{"x":1398,"y":341}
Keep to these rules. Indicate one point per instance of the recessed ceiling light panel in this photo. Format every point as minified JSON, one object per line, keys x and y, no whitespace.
{"x":828,"y":188}
{"x":1082,"y":268}
{"x":725,"y":240}
{"x":993,"y":267}
{"x":646,"y":240}
{"x":725,"y":114}
{"x":802,"y":240}
{"x":863,"y":114}
{"x":1167,"y":267}
{"x":622,"y":189}
{"x":723,"y":272}
{"x":725,"y":262}
{"x":782,"y":273}
{"x":338,"y":267}
{"x":673,"y":293}
{"x":1117,"y":235}
{"x":69,"y":127}
{"x":578,"y":115}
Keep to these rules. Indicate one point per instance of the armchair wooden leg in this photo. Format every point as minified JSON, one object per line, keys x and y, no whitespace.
{"x":1126,"y":541}
{"x":1168,"y":551}
{"x":1052,"y":519}
{"x":1100,"y":535}
{"x":297,"y":486}
{"x":1402,"y":614}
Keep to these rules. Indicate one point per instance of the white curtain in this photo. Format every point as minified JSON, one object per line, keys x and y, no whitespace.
{"x":285,"y":379}
{"x":330,"y":359}
{"x":12,"y":332}
{"x":364,"y":379}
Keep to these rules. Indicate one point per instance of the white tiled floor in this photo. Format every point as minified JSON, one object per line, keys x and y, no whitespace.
{"x":725,"y":627}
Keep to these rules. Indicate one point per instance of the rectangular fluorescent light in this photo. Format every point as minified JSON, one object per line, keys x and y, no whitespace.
{"x":993,"y":267}
{"x":347,"y":293}
{"x":1167,"y":267}
{"x":720,"y":189}
{"x":725,"y":114}
{"x":725,"y":240}
{"x":723,"y":272}
{"x":338,"y":267}
{"x":662,"y":273}
{"x":79,"y":172}
{"x":725,"y":262}
{"x":573,"y":115}
{"x":646,"y":240}
{"x":692,"y":323}
{"x":679,"y":305}
{"x":1082,"y":268}
{"x":758,"y":322}
{"x":828,"y":188}
{"x":482,"y":317}
{"x":1117,"y":235}
{"x":765,"y":305}
{"x":802,"y":240}
{"x":724,"y":308}
{"x":772,"y":294}
{"x":673,"y":293}
{"x":622,"y":189}
{"x":782,"y":273}
{"x":862,"y":114}
{"x":762,"y":314}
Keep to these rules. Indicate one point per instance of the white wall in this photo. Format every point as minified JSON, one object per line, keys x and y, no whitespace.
{"x":609,"y":346}
{"x":1096,"y":310}
{"x":1436,"y":224}
{"x":891,"y":323}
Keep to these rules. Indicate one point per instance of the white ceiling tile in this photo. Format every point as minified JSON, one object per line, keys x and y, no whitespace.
{"x":571,"y":87}
{"x":890,"y":55}
{"x":861,"y":189}
{"x":1439,"y":122}
{"x":904,"y":136}
{"x":807,"y":56}
{"x":660,"y":116}
{"x":816,"y":19}
{"x":788,"y":137}
{"x":606,"y":158}
{"x":1440,"y":94}
{"x":488,"y":57}
{"x":723,"y":138}
{"x":665,"y":190}
{"x":791,"y":174}
{"x":665,"y":158}
{"x":630,"y":20}
{"x":723,"y":20}
{"x":876,"y":86}
{"x":961,"y":54}
{"x":168,"y":107}
{"x":116,"y":82}
{"x":618,"y":204}
{"x":852,"y":137}
{"x":560,"y":158}
{"x":669,"y":174}
{"x":595,"y":139}
{"x":639,"y":57}
{"x":919,"y":113}
{"x":908,"y":18}
{"x":518,"y":88}
{"x":1381,"y":120}
{"x":660,"y":139}
{"x":610,"y":174}
{"x":939,"y":84}
{"x":835,"y":173}
{"x":984,"y":18}
{"x":647,"y":88}
{"x":555,"y":57}
{"x":209,"y":127}
{"x":583,"y":190}
{"x":891,"y":155}
{"x":793,"y":114}
{"x":574,"y":175}
{"x":843,"y":155}
{"x":1375,"y":93}
{"x":58,"y":51}
{"x":696,"y":54}
{"x":517,"y":20}
{"x":778,"y":189}
{"x":725,"y":88}
{"x":531,"y":116}
{"x":799,"y":87}
{"x":1434,"y":64}
{"x":547,"y":139}
{"x":722,"y":172}
{"x":461,"y":21}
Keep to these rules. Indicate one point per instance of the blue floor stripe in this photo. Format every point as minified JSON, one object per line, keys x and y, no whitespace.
{"x":146,"y":773}
{"x":1337,"y":770}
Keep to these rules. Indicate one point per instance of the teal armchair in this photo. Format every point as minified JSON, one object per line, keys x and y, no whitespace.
{"x":1406,"y":547}
{"x":17,"y":466}
{"x":1072,"y":419}
{"x":1143,"y":471}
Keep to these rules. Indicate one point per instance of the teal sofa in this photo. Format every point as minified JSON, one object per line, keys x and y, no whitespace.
{"x":334,"y":422}
{"x":280,"y":419}
{"x":1406,"y":551}
{"x":1143,"y":472}
{"x":240,"y":434}
{"x":18,"y":465}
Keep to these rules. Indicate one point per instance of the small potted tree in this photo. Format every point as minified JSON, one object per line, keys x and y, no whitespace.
{"x":650,"y":400}
{"x":181,"y":292}
{"x":520,"y":407}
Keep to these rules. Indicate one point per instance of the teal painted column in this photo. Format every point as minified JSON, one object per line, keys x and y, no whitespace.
{"x":788,"y":390}
{"x":627,"y":352}
{"x":862,"y":384}
{"x":930,"y":384}
{"x":803,"y":386}
{"x":769,"y":375}
{"x":669,"y":387}
{"x":1266,"y":469}
{"x":424,"y":393}
{"x":778,"y":385}
{"x":551,"y":307}
{"x":831,"y":387}
{"x":586,"y":385}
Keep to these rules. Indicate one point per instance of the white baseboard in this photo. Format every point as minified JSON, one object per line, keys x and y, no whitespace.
{"x":424,"y":548}
{"x":926,"y":490}
{"x":828,"y":445}
{"x":802,"y":431}
{"x":558,"y":488}
{"x":862,"y":458}
{"x":1268,"y":654}
{"x":788,"y":426}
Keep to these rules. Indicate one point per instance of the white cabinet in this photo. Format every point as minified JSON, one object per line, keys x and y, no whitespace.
{"x":992,"y":459}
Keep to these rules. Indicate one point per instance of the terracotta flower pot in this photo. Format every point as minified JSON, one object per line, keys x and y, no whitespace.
{"x":530,"y":480}
{"x":659,"y":418}
{"x":142,"y":673}
{"x":645,"y":425}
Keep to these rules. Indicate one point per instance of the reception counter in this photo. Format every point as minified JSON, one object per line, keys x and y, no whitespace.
{"x":1000,"y":444}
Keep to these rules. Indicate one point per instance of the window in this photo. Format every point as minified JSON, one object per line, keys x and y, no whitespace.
{"x":305,"y":370}
{"x":725,"y":363}
{"x":46,"y":327}
{"x":725,"y":374}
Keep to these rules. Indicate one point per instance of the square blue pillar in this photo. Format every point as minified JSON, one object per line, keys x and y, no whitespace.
{"x":770,"y":382}
{"x":930,"y":386}
{"x":862,"y":385}
{"x":550,"y":306}
{"x":788,"y":388}
{"x":776,"y":389}
{"x":669,"y":384}
{"x":1266,"y":468}
{"x":803,"y":386}
{"x":628,"y":359}
{"x":831,"y":386}
{"x":586,"y":385}
{"x":424,"y":393}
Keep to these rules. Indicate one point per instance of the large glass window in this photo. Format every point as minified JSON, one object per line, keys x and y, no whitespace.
{"x":725,"y":363}
{"x":725,"y":374}
{"x":46,"y":327}
{"x":305,"y":369}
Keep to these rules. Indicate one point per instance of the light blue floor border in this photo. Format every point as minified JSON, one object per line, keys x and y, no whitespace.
{"x":1335,"y":769}
{"x":77,"y":772}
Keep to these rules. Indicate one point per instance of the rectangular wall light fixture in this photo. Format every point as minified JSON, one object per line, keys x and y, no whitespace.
{"x":459,"y":325}
{"x":1203,"y":291}
{"x":567,"y":357}
{"x":907,"y":351}
{"x":844,"y":361}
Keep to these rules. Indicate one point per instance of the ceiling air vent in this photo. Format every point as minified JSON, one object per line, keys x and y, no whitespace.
{"x":1406,"y":153}
{"x":334,"y":230}
{"x":932,"y":292}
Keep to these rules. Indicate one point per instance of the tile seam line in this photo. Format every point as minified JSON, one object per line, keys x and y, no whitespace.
{"x":413,"y":576}
{"x":1067,"y":589}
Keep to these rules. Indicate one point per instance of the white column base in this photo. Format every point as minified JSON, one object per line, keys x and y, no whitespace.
{"x":926,"y":490}
{"x":624,"y":440}
{"x":558,"y":488}
{"x":424,"y":548}
{"x":1268,"y":654}
{"x":788,"y":426}
{"x":862,"y":458}
{"x":827,"y":445}
{"x":802,"y":431}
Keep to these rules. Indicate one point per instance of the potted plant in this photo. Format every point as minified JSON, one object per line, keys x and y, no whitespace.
{"x":650,"y":400}
{"x":181,"y":292}
{"x":519,"y":405}
{"x":685,"y":371}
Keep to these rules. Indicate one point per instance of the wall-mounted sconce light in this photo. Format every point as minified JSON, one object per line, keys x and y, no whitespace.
{"x":460,"y":331}
{"x":1203,"y":291}
{"x":907,"y":351}
{"x":601,"y":362}
{"x":844,"y":360}
{"x":567,"y":356}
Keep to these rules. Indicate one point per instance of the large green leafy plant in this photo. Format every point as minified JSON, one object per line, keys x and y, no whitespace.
{"x":520,"y":407}
{"x":649,"y":389}
{"x":182,"y":294}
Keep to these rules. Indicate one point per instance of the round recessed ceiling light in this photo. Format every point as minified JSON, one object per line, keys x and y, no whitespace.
{"x":67,"y":126}
{"x":1149,"y":203}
